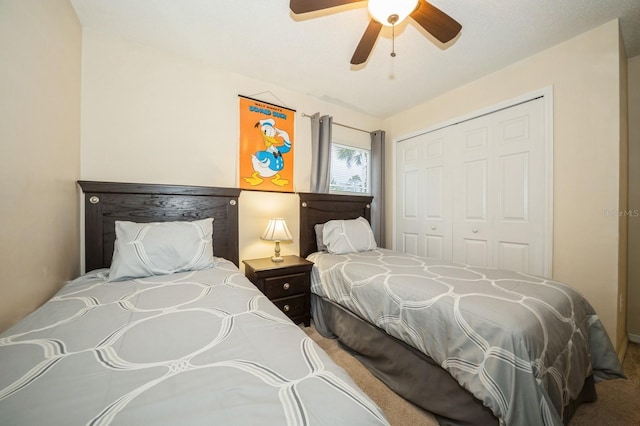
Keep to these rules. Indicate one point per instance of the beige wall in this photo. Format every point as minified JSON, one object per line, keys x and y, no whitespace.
{"x":153,"y":117}
{"x":585,"y":75}
{"x":633,"y":291}
{"x":40,"y":47}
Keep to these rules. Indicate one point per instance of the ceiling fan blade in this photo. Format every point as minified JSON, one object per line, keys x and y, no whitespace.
{"x":304,"y":6}
{"x":367,"y":41}
{"x":436,"y":22}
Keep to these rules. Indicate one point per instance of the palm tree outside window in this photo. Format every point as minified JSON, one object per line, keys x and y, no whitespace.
{"x":349,"y":169}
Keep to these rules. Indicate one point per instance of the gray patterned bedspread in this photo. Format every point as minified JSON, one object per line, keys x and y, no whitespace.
{"x":191,"y":348}
{"x":521,"y":344}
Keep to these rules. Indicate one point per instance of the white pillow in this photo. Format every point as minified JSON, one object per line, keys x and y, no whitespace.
{"x":348,"y":236}
{"x":159,"y":248}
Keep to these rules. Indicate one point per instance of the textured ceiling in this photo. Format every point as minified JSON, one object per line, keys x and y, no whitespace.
{"x":310,"y":53}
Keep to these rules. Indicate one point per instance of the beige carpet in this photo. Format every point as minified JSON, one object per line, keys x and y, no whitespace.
{"x":618,"y":400}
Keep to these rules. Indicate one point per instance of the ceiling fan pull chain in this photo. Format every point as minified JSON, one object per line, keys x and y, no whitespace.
{"x":393,"y":41}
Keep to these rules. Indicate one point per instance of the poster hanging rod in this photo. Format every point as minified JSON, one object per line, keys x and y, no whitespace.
{"x":265,"y":102}
{"x":341,"y":125}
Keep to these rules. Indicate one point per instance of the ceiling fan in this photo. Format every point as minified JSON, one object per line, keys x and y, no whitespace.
{"x":389,"y":13}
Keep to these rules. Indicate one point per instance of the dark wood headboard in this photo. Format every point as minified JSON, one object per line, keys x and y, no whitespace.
{"x":320,"y":208}
{"x":106,"y":202}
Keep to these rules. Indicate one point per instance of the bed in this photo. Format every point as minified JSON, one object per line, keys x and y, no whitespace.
{"x":474,"y":346}
{"x":185,"y":345}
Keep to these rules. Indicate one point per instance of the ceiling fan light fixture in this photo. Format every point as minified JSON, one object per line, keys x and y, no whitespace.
{"x":391,"y":12}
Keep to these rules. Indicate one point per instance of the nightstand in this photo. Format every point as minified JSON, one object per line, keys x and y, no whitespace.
{"x":287,"y":284}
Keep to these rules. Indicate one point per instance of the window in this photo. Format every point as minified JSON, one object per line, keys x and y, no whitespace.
{"x":349,"y":169}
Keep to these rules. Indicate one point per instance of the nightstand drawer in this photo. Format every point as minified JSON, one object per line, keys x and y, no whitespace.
{"x":292,"y":306}
{"x":288,"y":285}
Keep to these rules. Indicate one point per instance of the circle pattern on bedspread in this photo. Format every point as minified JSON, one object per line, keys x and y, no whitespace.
{"x":500,"y":334}
{"x":154,"y":355}
{"x":164,"y":297}
{"x":162,"y":338}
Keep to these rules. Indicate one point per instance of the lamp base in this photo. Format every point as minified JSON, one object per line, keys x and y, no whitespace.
{"x":276,"y":254}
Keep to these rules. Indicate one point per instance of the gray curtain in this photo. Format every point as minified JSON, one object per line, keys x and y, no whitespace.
{"x":377,"y":187}
{"x":320,"y":152}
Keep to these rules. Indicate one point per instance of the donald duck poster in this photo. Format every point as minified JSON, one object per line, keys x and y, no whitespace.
{"x":266,"y":146}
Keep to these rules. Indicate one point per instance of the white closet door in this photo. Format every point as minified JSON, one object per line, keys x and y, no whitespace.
{"x":475,"y":192}
{"x":519,"y":221}
{"x":435,"y":195}
{"x":473,"y":197}
{"x":424,"y":186}
{"x":408,"y":186}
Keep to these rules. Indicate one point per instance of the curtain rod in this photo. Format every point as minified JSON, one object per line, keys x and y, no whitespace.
{"x":341,"y":125}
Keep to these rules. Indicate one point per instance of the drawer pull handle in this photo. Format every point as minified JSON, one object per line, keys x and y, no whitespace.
{"x":286,"y":286}
{"x":286,"y":308}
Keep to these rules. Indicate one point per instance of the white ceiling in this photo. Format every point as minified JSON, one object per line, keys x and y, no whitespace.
{"x":311,"y":53}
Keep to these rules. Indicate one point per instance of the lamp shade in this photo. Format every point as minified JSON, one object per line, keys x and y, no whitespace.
{"x":381,"y":10}
{"x":277,"y":231}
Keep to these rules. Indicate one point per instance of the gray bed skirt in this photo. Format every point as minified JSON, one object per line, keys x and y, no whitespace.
{"x":410,"y":373}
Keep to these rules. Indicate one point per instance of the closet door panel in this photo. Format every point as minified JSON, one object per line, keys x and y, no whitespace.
{"x":513,"y":256}
{"x":435,"y":208}
{"x":476,"y":174}
{"x":519,"y":222}
{"x":410,"y":212}
{"x":436,"y":194}
{"x":475,"y":252}
{"x":472,"y":198}
{"x":513,"y":184}
{"x":408,"y":209}
{"x":423,"y":226}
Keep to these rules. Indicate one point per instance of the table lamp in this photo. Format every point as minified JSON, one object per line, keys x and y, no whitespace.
{"x":277,"y":231}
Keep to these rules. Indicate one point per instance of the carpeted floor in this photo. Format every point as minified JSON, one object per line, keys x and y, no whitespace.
{"x":618,"y":400}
